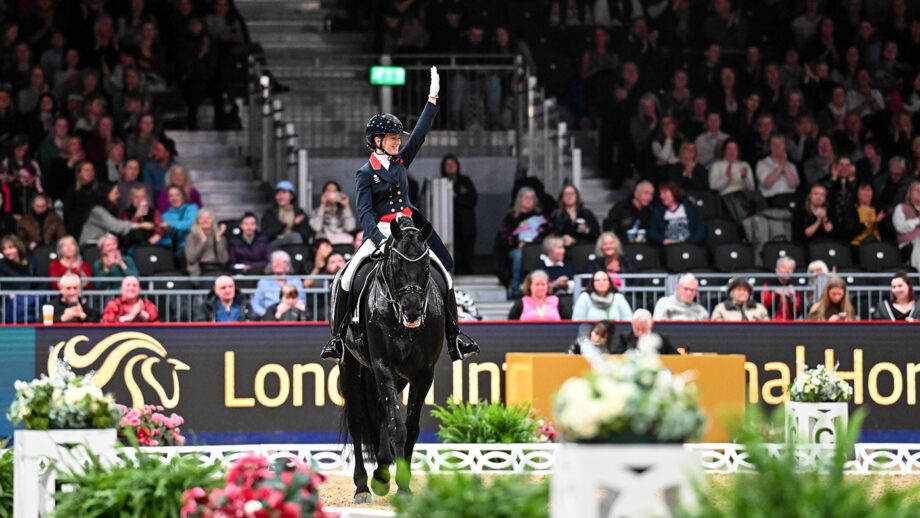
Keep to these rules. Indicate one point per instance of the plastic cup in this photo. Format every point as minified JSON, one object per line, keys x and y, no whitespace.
{"x":47,"y":314}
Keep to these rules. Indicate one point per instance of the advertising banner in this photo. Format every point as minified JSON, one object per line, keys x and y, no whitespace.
{"x":266,"y":383}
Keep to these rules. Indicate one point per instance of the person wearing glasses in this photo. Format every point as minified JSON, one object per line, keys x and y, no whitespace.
{"x":682,"y":305}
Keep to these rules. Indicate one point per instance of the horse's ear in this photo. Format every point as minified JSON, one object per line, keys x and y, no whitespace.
{"x":394,"y":228}
{"x":426,"y":231}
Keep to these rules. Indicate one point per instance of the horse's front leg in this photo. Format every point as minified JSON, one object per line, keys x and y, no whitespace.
{"x":393,"y":423}
{"x":417,"y":392}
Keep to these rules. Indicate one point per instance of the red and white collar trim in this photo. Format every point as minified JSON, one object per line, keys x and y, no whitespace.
{"x":377,"y":161}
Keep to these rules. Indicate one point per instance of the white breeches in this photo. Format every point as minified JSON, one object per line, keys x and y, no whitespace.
{"x":367,"y":248}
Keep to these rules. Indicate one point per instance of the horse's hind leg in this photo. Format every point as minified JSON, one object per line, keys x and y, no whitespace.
{"x":392,"y":427}
{"x":352,"y":392}
{"x":417,"y":392}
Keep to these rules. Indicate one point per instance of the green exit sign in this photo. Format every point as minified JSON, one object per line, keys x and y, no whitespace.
{"x":388,"y":76}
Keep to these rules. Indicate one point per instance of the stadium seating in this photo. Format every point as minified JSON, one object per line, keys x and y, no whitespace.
{"x":684,"y":257}
{"x":732,"y":257}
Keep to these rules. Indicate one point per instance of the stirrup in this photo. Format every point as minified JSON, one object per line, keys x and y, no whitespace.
{"x":462,"y":349}
{"x":333,"y":349}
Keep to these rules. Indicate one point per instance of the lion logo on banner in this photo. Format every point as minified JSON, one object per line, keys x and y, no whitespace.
{"x":116,"y":348}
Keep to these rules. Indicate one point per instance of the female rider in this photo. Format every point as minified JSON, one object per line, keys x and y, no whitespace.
{"x":382,"y":194}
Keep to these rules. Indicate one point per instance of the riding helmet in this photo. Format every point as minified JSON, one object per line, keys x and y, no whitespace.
{"x":382,"y":124}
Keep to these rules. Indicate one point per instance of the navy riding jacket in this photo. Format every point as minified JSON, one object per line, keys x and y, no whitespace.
{"x":379,"y":191}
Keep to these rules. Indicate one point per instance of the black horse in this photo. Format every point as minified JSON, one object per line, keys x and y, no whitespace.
{"x":402,"y":316}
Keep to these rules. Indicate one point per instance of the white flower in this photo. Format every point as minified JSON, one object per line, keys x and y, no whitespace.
{"x":252,"y":507}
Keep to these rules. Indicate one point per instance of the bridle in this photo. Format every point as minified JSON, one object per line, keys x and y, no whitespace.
{"x":419,"y":289}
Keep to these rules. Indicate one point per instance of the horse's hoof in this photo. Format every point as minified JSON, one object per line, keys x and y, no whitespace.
{"x":379,"y":487}
{"x":362,"y":498}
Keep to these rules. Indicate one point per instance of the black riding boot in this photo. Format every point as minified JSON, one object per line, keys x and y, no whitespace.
{"x":459,"y":345}
{"x":335,"y":347}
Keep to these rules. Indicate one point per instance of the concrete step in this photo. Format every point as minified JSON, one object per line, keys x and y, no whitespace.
{"x":209,"y":137}
{"x":221,"y":174}
{"x":248,"y":187}
{"x":211,"y":162}
{"x":234,"y":211}
{"x":231,"y":199}
{"x":494,"y":310}
{"x":202,"y":149}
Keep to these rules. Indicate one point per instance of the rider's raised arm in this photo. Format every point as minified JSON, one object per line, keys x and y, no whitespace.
{"x":417,"y":138}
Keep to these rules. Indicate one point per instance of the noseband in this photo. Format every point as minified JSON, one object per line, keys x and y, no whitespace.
{"x":420,"y":289}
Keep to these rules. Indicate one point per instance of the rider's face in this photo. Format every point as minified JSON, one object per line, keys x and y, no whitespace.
{"x":390,"y":144}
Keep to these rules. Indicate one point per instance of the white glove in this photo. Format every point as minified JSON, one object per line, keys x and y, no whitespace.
{"x":435,"y":83}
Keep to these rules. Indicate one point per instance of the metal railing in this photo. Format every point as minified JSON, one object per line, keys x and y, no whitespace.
{"x":866,"y":291}
{"x":331,"y":99}
{"x":550,"y":153}
{"x":176,"y":298}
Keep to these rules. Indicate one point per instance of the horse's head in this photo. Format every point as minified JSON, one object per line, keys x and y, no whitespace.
{"x":407,"y":266}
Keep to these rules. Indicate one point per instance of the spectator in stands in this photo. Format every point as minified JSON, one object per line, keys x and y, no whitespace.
{"x":682,"y":305}
{"x":601,"y":300}
{"x":675,"y":220}
{"x":138,"y":213}
{"x":834,"y":304}
{"x":812,"y":221}
{"x":95,"y":146}
{"x":641,"y":337}
{"x":15,"y":263}
{"x":902,"y":136}
{"x":709,"y":143}
{"x":20,"y":158}
{"x":162,"y":151}
{"x":41,"y":226}
{"x":28,"y":186}
{"x":111,"y":262}
{"x":69,"y":308}
{"x":906,"y":220}
{"x":80,"y":200}
{"x":115,"y":160}
{"x":333,"y":219}
{"x":178,"y":220}
{"x":863,"y":218}
{"x":205,"y":247}
{"x":864,"y":100}
{"x":642,"y":128}
{"x":889,"y":187}
{"x":572,"y":221}
{"x":249,"y":250}
{"x":608,"y":257}
{"x":322,"y":251}
{"x":268,"y":291}
{"x":902,"y":305}
{"x":629,"y":218}
{"x":841,"y":189}
{"x":465,"y":198}
{"x":733,"y":179}
{"x":561,"y":272}
{"x":599,"y":341}
{"x":128,"y":180}
{"x":687,"y":173}
{"x":7,"y":221}
{"x":69,"y":261}
{"x":140,"y":142}
{"x":178,"y":176}
{"x":225,"y":304}
{"x":523,"y":225}
{"x":537,"y":305}
{"x":104,"y":218}
{"x":130,"y":306}
{"x":54,"y":144}
{"x":288,"y":309}
{"x":694,"y":125}
{"x":284,"y":223}
{"x":666,"y":146}
{"x":871,"y":166}
{"x":782,"y":297}
{"x":740,"y":307}
{"x":778,"y":177}
{"x":488,"y":83}
{"x":818,"y":168}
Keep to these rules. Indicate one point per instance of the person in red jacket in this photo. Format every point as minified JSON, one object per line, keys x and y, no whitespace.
{"x":130,"y":307}
{"x":69,"y":261}
{"x":782,"y":299}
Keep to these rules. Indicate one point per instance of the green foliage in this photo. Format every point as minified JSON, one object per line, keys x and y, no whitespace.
{"x":6,"y":481}
{"x":468,"y":496}
{"x":780,"y":488}
{"x":486,"y":423}
{"x":63,"y":401}
{"x":140,"y":487}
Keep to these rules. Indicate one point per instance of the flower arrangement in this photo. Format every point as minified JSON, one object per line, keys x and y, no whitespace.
{"x":819,"y":386}
{"x":635,"y":400}
{"x":64,"y":401}
{"x":150,"y":427}
{"x":256,"y":488}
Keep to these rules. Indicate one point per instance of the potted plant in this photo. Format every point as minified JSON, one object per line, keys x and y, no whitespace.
{"x":58,"y":413}
{"x":149,"y":427}
{"x":817,"y":406}
{"x":624,"y":423}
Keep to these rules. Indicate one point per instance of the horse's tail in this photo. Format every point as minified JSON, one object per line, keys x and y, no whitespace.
{"x":367,"y":408}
